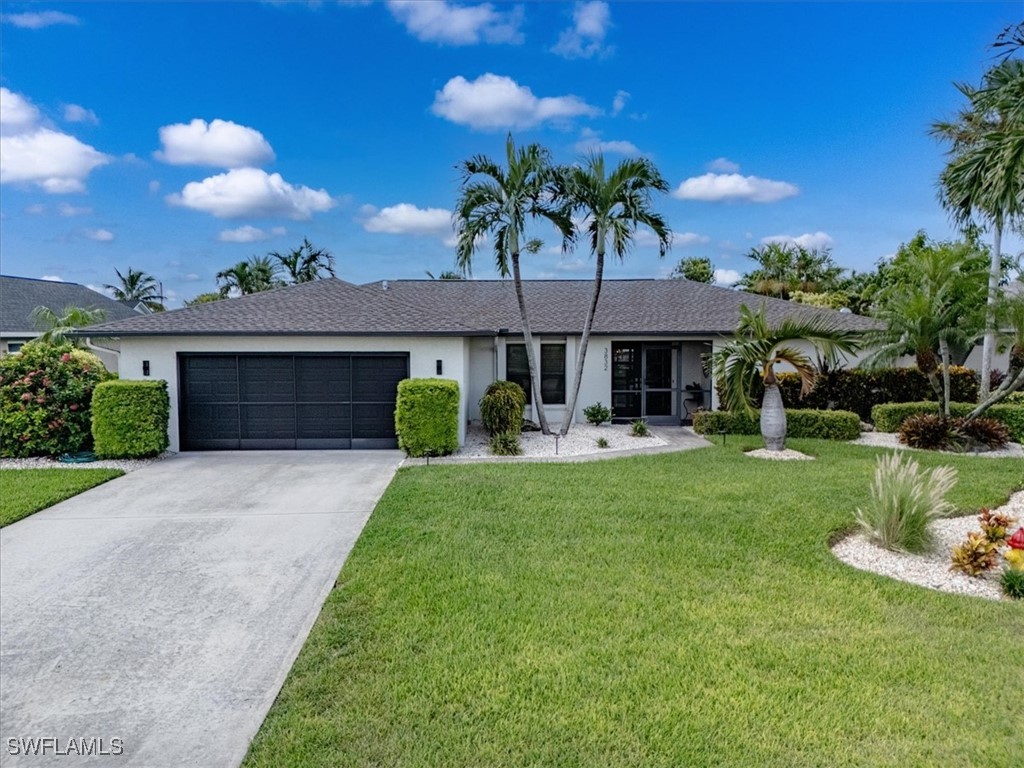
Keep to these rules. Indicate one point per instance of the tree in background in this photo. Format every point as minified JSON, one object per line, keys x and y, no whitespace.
{"x":54,"y":326}
{"x":138,"y":287}
{"x":254,"y":275}
{"x":447,"y":274}
{"x":699,"y":269}
{"x":984,"y":176}
{"x":305,"y":263}
{"x":500,"y":201}
{"x":204,"y":298}
{"x":611,"y":206}
{"x":785,"y":267}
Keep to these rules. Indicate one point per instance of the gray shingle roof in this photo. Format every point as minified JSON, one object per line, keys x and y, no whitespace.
{"x":20,"y":295}
{"x":471,"y":307}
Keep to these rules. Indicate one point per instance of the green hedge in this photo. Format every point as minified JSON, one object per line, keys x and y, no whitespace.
{"x":889,"y":417}
{"x":826,"y":425}
{"x":45,"y":391}
{"x":129,"y":419}
{"x":427,"y":416}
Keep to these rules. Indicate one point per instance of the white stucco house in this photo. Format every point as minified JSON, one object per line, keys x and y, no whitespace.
{"x":316,"y":365}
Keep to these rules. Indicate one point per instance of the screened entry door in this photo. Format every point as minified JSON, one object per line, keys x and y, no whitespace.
{"x":642,"y":381}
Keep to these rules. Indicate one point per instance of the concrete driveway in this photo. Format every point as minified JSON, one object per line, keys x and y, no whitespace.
{"x":165,"y":608}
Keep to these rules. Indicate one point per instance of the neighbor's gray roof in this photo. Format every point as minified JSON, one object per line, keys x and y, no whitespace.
{"x":20,"y":295}
{"x":470,"y":307}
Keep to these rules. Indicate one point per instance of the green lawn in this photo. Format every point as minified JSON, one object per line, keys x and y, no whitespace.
{"x":670,"y":610}
{"x":24,"y":491}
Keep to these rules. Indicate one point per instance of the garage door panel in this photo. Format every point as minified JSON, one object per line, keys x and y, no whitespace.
{"x":211,"y":379}
{"x":268,"y":421}
{"x":375,"y":379}
{"x":323,"y":420}
{"x":266,"y":379}
{"x":373,"y":420}
{"x":211,"y":427}
{"x":323,"y":379}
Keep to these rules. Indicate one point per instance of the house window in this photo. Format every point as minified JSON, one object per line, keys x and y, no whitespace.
{"x":552,"y":371}
{"x":14,"y":346}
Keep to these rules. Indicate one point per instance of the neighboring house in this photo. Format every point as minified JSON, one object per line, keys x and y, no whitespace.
{"x":316,"y":365}
{"x":19,"y":296}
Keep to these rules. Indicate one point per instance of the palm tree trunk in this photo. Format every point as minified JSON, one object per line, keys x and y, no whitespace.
{"x":570,"y":406}
{"x":944,"y":353}
{"x":773,"y":416}
{"x":989,"y":344}
{"x":531,"y":359}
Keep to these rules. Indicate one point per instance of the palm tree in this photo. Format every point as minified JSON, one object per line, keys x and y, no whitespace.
{"x":138,"y":287}
{"x":55,"y":325}
{"x":786,"y":267}
{"x":612,"y":206}
{"x":500,"y":201}
{"x":985,"y":172}
{"x":255,"y":274}
{"x":752,"y":355}
{"x":305,"y":263}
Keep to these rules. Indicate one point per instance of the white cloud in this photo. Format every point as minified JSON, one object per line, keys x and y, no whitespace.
{"x":493,"y":102}
{"x":723,"y":165}
{"x":53,"y":278}
{"x":722,"y":187}
{"x":571,"y":265}
{"x":645,"y":237}
{"x":39,"y":19}
{"x":220,"y":143}
{"x":249,"y":234}
{"x":619,"y":102}
{"x":67,"y":210}
{"x":407,"y":219}
{"x":99,"y":235}
{"x":809,"y":240}
{"x":154,"y":187}
{"x":35,"y":209}
{"x":99,"y":289}
{"x":438,"y":21}
{"x":590,"y":141}
{"x":727,"y":277}
{"x":585,"y":38}
{"x":251,"y":192}
{"x":73,"y":113}
{"x":17,"y":114}
{"x":191,"y":277}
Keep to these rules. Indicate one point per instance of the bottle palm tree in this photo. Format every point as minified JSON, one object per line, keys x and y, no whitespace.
{"x":305,"y":263}
{"x":612,"y":206}
{"x":751,"y":356}
{"x":56,"y":325}
{"x":500,"y":201}
{"x":985,"y":172}
{"x":255,"y":274}
{"x":137,"y":287}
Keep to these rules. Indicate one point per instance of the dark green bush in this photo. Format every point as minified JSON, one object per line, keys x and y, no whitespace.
{"x":427,"y":416}
{"x":597,"y":414}
{"x":506,"y":444}
{"x":129,"y":419}
{"x":889,"y":417}
{"x":826,"y":425}
{"x":502,"y":407}
{"x":45,"y":396}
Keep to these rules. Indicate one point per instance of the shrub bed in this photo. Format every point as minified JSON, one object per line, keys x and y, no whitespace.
{"x":129,"y":419}
{"x":890,"y":416}
{"x":427,"y":416}
{"x":45,"y":396}
{"x":826,"y":425}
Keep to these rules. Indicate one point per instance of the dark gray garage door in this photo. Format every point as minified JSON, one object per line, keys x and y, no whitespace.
{"x":301,"y":401}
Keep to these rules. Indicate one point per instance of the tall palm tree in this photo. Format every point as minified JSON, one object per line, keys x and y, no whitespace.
{"x":138,"y":287}
{"x":55,"y":325}
{"x":612,"y":206}
{"x":255,"y":274}
{"x":500,"y":201}
{"x":305,"y":263}
{"x":985,"y":173}
{"x":752,"y":354}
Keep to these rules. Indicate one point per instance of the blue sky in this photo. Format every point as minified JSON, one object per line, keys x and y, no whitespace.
{"x":180,"y":138}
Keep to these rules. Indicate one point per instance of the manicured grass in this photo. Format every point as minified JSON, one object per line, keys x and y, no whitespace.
{"x":24,"y":491}
{"x":671,"y":610}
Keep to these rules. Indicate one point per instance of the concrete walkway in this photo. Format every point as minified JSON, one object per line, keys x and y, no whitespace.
{"x":166,"y":607}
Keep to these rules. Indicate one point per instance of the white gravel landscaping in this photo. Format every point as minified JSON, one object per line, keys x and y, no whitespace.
{"x":786,"y":454}
{"x":41,"y":462}
{"x":891,"y":440}
{"x":930,"y":570}
{"x":581,"y":440}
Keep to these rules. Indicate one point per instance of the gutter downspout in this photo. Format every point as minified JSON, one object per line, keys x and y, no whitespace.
{"x":115,"y":352}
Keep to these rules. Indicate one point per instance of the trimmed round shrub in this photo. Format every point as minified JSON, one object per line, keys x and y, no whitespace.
{"x":129,"y":419}
{"x":427,"y":416}
{"x":45,"y":396}
{"x":506,"y":444}
{"x":502,"y":407}
{"x":927,"y":430}
{"x":597,"y":414}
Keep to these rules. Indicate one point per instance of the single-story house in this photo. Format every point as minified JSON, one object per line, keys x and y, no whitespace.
{"x":316,"y":365}
{"x":19,"y":296}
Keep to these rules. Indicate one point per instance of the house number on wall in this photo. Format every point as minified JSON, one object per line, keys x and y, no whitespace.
{"x":606,"y":358}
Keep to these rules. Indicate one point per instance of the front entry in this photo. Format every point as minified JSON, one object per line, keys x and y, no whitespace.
{"x":644,"y":382}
